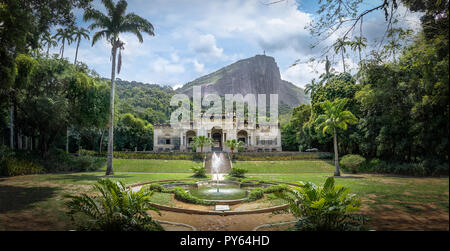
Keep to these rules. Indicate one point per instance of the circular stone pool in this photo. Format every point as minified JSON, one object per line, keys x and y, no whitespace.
{"x":221,"y":191}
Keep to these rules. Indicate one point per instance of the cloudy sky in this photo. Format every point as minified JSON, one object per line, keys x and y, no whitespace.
{"x":197,"y":37}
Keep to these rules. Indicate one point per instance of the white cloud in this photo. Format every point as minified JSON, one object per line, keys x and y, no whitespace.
{"x":205,"y":46}
{"x":198,"y":66}
{"x":162,"y":65}
{"x":177,"y":86}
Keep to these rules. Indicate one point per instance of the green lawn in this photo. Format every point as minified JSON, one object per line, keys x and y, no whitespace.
{"x":36,"y":202}
{"x":290,"y":166}
{"x":382,"y":189}
{"x":154,"y":165}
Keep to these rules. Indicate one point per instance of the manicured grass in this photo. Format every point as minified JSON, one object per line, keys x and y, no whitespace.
{"x":382,"y":189}
{"x":36,"y":202}
{"x":291,"y":166}
{"x":154,"y":165}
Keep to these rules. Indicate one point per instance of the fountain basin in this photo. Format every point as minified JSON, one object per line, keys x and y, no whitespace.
{"x":230,"y":192}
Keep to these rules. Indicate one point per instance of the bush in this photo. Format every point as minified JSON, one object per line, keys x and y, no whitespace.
{"x":276,"y":188}
{"x":183,"y":195}
{"x":85,"y":163}
{"x":199,"y":172}
{"x":325,"y":155}
{"x":156,"y":187}
{"x":12,"y":166}
{"x":255,"y":194}
{"x":327,"y":208}
{"x":115,"y":209}
{"x":424,"y":168}
{"x":352,"y":162}
{"x":237,"y":172}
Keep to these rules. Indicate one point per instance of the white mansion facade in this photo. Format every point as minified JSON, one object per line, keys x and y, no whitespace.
{"x":260,"y":138}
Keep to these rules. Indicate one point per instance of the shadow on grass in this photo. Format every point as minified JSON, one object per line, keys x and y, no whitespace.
{"x":14,"y":198}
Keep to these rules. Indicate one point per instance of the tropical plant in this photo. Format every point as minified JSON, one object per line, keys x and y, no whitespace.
{"x":327,"y":208}
{"x":339,"y":46}
{"x":79,"y":33}
{"x":201,"y":141}
{"x":63,"y":36}
{"x":358,"y":44}
{"x":115,"y":209}
{"x":111,"y":25}
{"x":199,"y":172}
{"x":334,"y":118}
{"x":237,"y":172}
{"x":234,"y":144}
{"x":48,"y":41}
{"x":311,"y":87}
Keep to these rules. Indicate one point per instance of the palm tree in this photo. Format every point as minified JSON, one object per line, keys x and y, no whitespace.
{"x":334,"y":118}
{"x":234,"y":144}
{"x":49,"y":41}
{"x":312,"y":87}
{"x":79,"y":33}
{"x":201,"y":141}
{"x":358,"y":44}
{"x":64,"y":35}
{"x":339,"y":46}
{"x":111,"y":26}
{"x":325,"y":76}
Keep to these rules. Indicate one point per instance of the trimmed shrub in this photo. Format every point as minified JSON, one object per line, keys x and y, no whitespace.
{"x":352,"y":162}
{"x":276,"y":188}
{"x":255,"y":194}
{"x":237,"y":172}
{"x":156,"y":187}
{"x":183,"y":195}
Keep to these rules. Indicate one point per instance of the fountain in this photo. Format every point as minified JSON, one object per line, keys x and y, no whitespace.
{"x":217,"y":189}
{"x":215,"y":164}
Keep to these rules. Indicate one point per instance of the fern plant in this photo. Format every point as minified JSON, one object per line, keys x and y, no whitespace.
{"x":327,"y":208}
{"x":199,"y":172}
{"x":116,"y":208}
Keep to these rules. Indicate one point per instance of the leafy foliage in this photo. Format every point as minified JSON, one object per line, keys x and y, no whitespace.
{"x":201,"y":142}
{"x":115,"y":209}
{"x":183,"y":195}
{"x":352,"y":162}
{"x":199,"y":172}
{"x":327,"y":208}
{"x":238,"y":172}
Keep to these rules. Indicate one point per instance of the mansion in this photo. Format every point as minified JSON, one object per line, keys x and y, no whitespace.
{"x":260,"y":138}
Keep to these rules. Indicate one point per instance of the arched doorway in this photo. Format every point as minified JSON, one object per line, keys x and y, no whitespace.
{"x":243,"y":136}
{"x":189,"y":138}
{"x":216,"y":135}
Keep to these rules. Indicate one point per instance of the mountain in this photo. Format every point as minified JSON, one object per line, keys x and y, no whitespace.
{"x":258,"y":75}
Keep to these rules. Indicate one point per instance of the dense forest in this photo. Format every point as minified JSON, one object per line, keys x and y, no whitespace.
{"x":400,"y":95}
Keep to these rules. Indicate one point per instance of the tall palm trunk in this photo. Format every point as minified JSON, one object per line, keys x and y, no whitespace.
{"x":101,"y":142}
{"x":11,"y":124}
{"x":62,"y":48}
{"x":67,"y":139}
{"x":343,"y":59}
{"x":336,"y":156}
{"x":109,"y":169}
{"x":76,"y":52}
{"x":359,"y":51}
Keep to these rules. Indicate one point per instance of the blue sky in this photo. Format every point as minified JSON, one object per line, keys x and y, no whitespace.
{"x":197,"y":37}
